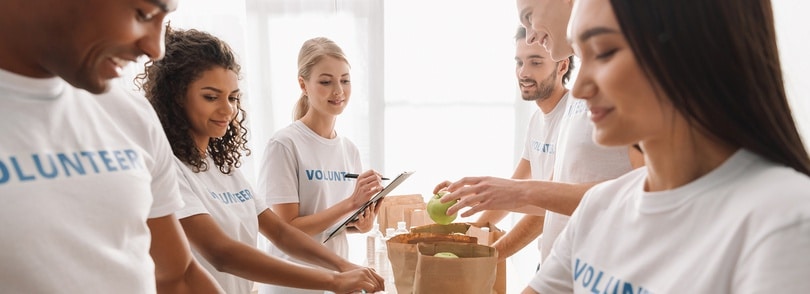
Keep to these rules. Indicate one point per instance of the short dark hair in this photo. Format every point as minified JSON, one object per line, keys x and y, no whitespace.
{"x":728,"y":82}
{"x":521,"y":34}
{"x":165,"y":82}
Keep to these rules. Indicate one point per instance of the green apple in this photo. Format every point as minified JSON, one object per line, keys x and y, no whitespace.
{"x":445,"y":255}
{"x":438,"y":210}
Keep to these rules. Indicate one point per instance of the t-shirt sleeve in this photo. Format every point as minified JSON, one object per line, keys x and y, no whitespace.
{"x":166,"y":198}
{"x":278,"y":175}
{"x":556,"y":275}
{"x":189,"y":191}
{"x":258,"y":198}
{"x":779,"y":263}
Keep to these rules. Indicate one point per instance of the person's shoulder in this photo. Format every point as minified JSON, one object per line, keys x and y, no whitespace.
{"x":125,"y":103}
{"x":182,"y":167}
{"x":288,"y":133}
{"x":537,"y":114}
{"x":768,"y":183}
{"x":768,"y":197}
{"x":765,"y":177}
{"x":618,"y":188}
{"x":630,"y":178}
{"x":347,"y":142}
{"x":576,"y":107}
{"x":288,"y":137}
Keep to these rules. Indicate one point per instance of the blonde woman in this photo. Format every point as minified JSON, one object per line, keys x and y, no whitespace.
{"x":303,"y":171}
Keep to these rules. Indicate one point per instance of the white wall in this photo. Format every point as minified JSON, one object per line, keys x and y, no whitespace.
{"x":793,"y":33}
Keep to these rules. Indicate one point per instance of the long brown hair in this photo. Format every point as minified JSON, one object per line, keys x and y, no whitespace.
{"x":718,"y":62}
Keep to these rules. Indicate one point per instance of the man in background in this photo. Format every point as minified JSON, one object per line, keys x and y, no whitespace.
{"x":542,"y":81}
{"x":579,"y":163}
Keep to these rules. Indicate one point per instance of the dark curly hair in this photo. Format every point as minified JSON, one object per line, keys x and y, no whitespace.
{"x":165,"y":82}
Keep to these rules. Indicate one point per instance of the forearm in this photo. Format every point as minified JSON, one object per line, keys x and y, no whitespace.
{"x":523,"y":233}
{"x":531,"y":210}
{"x":491,"y":216}
{"x":303,"y":247}
{"x":557,"y":197}
{"x":298,"y":244}
{"x":250,"y":263}
{"x":176,"y":270}
{"x":320,"y":221}
{"x":194,"y":280}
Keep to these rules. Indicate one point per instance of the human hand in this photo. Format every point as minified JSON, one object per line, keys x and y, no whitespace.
{"x":365,"y":221}
{"x":483,"y":193}
{"x":366,"y":186}
{"x":359,"y":280}
{"x":441,"y":186}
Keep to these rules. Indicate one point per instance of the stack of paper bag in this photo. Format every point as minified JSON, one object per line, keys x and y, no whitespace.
{"x":407,"y":208}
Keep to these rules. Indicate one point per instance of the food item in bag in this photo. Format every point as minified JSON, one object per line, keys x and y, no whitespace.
{"x":446,"y":255}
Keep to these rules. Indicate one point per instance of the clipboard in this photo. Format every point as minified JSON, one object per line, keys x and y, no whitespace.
{"x":390,"y":187}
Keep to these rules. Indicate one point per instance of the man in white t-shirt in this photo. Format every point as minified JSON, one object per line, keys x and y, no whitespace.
{"x":87,"y":177}
{"x":541,"y":81}
{"x":578,"y":164}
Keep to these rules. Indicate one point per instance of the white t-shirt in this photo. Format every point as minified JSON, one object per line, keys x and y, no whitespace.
{"x":540,"y":145}
{"x":231,"y":202}
{"x":742,"y":228}
{"x":299,"y":166}
{"x":79,"y":176}
{"x":580,"y":160}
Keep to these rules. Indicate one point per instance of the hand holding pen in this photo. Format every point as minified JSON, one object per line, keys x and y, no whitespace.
{"x":368,"y":184}
{"x":354,"y":176}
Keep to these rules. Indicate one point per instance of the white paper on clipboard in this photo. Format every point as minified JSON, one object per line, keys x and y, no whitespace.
{"x":390,"y":187}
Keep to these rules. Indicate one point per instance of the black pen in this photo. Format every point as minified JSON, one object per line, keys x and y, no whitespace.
{"x":354,"y":176}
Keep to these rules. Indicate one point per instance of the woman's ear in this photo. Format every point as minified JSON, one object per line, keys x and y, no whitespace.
{"x":302,"y":85}
{"x":181,"y":101}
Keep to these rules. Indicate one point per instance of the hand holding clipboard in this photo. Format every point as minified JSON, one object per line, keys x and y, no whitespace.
{"x":390,"y":187}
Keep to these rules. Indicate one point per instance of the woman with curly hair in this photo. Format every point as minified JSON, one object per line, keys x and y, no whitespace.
{"x":195,"y":91}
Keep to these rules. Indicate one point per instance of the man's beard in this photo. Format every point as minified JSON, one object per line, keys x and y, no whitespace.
{"x":544,"y":89}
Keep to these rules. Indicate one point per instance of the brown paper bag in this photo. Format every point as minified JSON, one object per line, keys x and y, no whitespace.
{"x":394,"y":207}
{"x":415,"y":217}
{"x":488,"y":238}
{"x":484,"y":238}
{"x":472,"y":273}
{"x":403,"y":254}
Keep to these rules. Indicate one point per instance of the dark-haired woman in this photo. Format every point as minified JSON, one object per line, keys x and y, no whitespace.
{"x":723,"y":204}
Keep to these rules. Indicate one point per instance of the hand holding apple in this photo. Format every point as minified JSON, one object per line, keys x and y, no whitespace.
{"x":438,"y":210}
